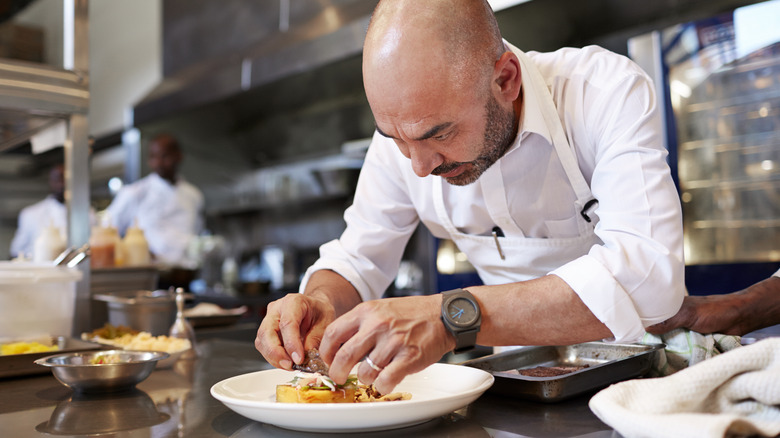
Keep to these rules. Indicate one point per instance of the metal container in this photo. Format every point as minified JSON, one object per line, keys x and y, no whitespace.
{"x":149,"y":311}
{"x":606,"y":364}
{"x":76,"y":370}
{"x":36,"y":299}
{"x":14,"y":365}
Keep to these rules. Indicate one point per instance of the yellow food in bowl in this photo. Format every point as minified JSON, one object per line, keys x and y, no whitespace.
{"x":26,"y":347}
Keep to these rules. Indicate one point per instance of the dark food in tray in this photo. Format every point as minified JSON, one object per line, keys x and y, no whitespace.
{"x":588,"y":367}
{"x":549,"y":371}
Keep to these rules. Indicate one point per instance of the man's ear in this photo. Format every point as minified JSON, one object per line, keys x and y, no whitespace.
{"x":508,"y":76}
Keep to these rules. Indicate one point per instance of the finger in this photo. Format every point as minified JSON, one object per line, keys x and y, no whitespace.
{"x":350,"y":345}
{"x":658,"y":329}
{"x":291,"y":317}
{"x":269,"y":344}
{"x":393,"y":374}
{"x":337,"y":333}
{"x":376,"y":360}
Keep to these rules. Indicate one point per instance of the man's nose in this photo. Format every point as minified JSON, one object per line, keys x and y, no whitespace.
{"x":424,"y":159}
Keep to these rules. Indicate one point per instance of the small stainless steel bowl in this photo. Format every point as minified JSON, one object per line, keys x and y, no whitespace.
{"x":77,"y":370}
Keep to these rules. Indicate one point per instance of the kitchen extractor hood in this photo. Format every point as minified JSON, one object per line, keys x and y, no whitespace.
{"x":306,"y":35}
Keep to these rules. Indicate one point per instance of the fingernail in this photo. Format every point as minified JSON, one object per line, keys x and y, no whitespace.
{"x":296,"y":357}
{"x":286,"y":364}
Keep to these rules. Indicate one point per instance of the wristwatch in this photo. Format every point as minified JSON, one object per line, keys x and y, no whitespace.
{"x":461,"y":316}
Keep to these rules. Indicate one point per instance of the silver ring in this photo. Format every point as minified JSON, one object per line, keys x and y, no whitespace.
{"x":372,"y":364}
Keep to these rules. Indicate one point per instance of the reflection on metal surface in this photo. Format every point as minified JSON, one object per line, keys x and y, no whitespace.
{"x":102,"y":414}
{"x":450,"y":426}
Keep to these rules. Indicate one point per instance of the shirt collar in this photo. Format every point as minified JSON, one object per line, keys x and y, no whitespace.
{"x":532,"y":119}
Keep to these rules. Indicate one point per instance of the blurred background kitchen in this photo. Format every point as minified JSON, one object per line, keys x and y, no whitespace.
{"x":266,"y":100}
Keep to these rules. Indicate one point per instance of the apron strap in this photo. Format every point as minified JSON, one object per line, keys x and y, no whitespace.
{"x":585,"y":200}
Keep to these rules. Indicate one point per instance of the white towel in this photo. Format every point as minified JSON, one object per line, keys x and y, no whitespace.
{"x":685,"y":348}
{"x":736,"y":393}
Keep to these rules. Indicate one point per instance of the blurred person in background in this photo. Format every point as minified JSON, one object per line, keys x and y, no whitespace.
{"x":167,"y":208}
{"x":738,"y":313}
{"x":50,"y":211}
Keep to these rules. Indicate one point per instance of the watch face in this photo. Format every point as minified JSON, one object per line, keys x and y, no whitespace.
{"x":462,"y":312}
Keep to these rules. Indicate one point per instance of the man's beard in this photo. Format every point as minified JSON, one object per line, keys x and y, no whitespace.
{"x":499,"y":135}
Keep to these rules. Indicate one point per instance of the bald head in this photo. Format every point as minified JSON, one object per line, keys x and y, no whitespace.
{"x":454,"y":40}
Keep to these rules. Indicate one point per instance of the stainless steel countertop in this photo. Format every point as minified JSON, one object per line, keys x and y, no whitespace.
{"x":176,"y":402}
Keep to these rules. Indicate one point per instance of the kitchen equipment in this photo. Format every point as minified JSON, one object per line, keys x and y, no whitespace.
{"x":606,"y":364}
{"x":181,"y":328}
{"x":718,"y":86}
{"x":76,"y":370}
{"x":14,"y":365}
{"x":149,"y":311}
{"x":36,"y":299}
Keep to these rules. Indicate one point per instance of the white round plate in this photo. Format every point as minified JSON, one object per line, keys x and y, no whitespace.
{"x":436,"y":390}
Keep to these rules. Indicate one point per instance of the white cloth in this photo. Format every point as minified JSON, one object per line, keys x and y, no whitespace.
{"x":734,"y":394}
{"x":776,"y":274}
{"x":169,"y":215}
{"x":608,"y":109}
{"x":684,"y":348}
{"x":33,"y":219}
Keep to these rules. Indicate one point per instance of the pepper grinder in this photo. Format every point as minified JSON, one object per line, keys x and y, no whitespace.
{"x":181,"y":328}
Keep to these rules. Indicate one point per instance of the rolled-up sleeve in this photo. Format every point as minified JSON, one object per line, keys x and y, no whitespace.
{"x":636,"y":277}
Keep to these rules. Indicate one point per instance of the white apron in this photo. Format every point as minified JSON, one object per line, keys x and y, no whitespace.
{"x":525,"y":258}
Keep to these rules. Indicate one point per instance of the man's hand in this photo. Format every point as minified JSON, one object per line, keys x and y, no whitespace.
{"x":737,"y":313}
{"x":400,"y":336}
{"x":293,"y":325}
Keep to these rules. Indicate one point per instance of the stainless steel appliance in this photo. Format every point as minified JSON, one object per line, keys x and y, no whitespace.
{"x":719,"y":82}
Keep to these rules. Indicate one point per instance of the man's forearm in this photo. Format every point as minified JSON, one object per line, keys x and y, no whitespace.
{"x":544,"y":311}
{"x":761,"y":303}
{"x":335,"y":288}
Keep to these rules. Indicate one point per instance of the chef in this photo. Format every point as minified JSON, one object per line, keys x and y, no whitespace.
{"x":166,"y":207}
{"x":546,"y":169}
{"x":51,"y":211}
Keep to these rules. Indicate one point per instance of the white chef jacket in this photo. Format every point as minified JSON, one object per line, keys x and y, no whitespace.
{"x":169,"y":215}
{"x":33,"y":219}
{"x":632,"y":279}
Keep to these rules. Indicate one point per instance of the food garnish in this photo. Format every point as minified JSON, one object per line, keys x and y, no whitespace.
{"x":317,"y":388}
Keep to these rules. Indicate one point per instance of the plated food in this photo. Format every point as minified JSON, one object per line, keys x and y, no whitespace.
{"x":129,"y":339}
{"x":438,"y":390}
{"x":316,"y":388}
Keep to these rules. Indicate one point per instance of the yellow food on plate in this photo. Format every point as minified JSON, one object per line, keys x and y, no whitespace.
{"x":25,"y":348}
{"x":293,"y":394}
{"x":146,"y":342}
{"x":316,"y":388}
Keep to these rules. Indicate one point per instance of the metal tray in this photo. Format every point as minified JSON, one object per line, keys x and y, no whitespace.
{"x":14,"y":365}
{"x":607,"y":364}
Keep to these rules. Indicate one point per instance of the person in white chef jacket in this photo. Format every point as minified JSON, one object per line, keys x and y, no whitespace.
{"x":167,"y":208}
{"x":546,"y":169}
{"x":51,"y":211}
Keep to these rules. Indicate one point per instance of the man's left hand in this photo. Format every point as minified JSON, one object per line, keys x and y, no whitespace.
{"x":400,"y":336}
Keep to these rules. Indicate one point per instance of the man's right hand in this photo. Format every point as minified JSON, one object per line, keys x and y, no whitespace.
{"x":293,"y":325}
